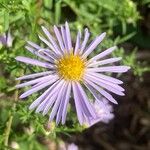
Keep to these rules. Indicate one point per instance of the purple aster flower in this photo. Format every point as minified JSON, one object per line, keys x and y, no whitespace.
{"x":70,"y":70}
{"x":72,"y":146}
{"x":104,"y":112}
{"x":6,"y":39}
{"x":66,"y":146}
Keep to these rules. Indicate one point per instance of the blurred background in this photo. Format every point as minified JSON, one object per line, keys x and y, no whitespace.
{"x":127,"y":23}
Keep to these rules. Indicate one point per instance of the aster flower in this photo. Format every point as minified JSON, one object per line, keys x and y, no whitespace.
{"x":66,"y":146}
{"x":70,"y":71}
{"x":72,"y":146}
{"x":6,"y":39}
{"x":104,"y":112}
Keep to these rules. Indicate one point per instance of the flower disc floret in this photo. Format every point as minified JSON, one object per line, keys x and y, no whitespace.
{"x":71,"y":67}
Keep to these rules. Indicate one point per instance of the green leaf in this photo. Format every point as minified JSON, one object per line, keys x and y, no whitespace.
{"x":6,"y":20}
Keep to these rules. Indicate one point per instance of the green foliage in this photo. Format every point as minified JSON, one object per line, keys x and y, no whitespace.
{"x":23,"y":18}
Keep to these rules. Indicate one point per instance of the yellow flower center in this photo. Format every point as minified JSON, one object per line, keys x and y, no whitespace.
{"x":71,"y":67}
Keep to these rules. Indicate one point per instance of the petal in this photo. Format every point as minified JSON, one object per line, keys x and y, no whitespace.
{"x":46,"y":78}
{"x":86,"y":37}
{"x":47,"y":43}
{"x":9,"y":39}
{"x":77,"y":103}
{"x":61,"y":106}
{"x":35,"y":89}
{"x":72,"y":147}
{"x":39,"y":83}
{"x":101,"y":91}
{"x":104,"y":62}
{"x":115,"y":69}
{"x":39,"y":99}
{"x":44,"y":95}
{"x":50,"y":98}
{"x":105,"y":77}
{"x":68,"y":36}
{"x":50,"y":102}
{"x":35,"y":52}
{"x":49,"y":36}
{"x":52,"y":55}
{"x":93,"y":91}
{"x":108,"y":86}
{"x":94,"y":44}
{"x":3,"y":39}
{"x":39,"y":49}
{"x":77,"y":46}
{"x":34,"y":62}
{"x":34,"y":45}
{"x":64,"y":113}
{"x":57,"y":102}
{"x":85,"y":101}
{"x":64,"y":38}
{"x":59,"y":38}
{"x":98,"y":80}
{"x":34,"y":75}
{"x":103,"y":54}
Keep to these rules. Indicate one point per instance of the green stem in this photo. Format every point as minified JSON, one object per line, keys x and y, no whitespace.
{"x":7,"y":131}
{"x":9,"y":123}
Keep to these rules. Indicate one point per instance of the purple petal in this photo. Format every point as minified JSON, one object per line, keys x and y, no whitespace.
{"x":35,"y":89}
{"x":86,"y":37}
{"x":101,"y":91}
{"x":105,"y":82}
{"x":94,"y":44}
{"x":93,"y":91}
{"x":49,"y":91}
{"x":49,"y":101}
{"x":72,"y":147}
{"x":46,"y":78}
{"x":35,"y":52}
{"x":64,"y":38}
{"x":51,"y":98}
{"x":77,"y":46}
{"x":9,"y":39}
{"x":51,"y":40}
{"x":39,"y":83}
{"x":59,"y":38}
{"x":85,"y":101}
{"x":105,"y":77}
{"x":38,"y":100}
{"x":39,"y":49}
{"x":104,"y":62}
{"x":55,"y":89}
{"x":6,"y":39}
{"x":30,"y":76}
{"x":34,"y":62}
{"x":57,"y":102}
{"x":115,"y":69}
{"x":34,"y":45}
{"x":47,"y":43}
{"x":103,"y":111}
{"x":84,"y":108}
{"x":108,"y":86}
{"x":52,"y":55}
{"x":3,"y":39}
{"x":68,"y":36}
{"x":77,"y":103}
{"x":103,"y":54}
{"x":64,"y":113}
{"x":62,"y":103}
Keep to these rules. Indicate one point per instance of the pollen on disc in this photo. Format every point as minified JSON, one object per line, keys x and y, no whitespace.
{"x":71,"y":67}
